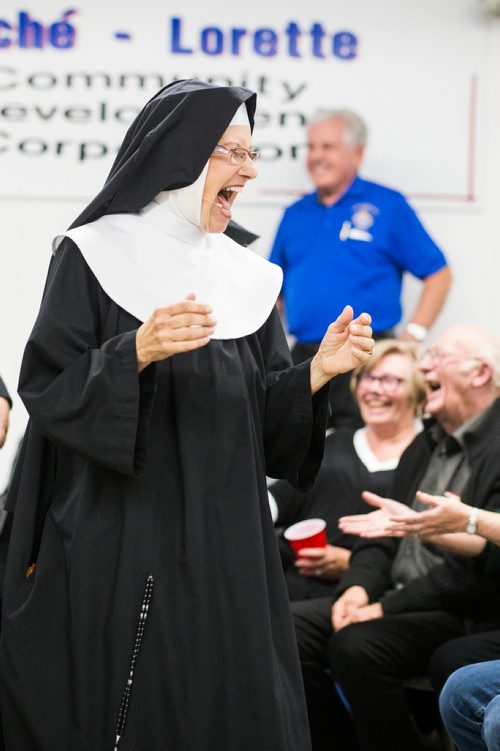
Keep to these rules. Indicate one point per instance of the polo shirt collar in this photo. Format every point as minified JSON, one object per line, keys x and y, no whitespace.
{"x":355,"y":189}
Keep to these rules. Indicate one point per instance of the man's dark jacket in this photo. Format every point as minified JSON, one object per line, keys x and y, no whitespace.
{"x":460,"y":584}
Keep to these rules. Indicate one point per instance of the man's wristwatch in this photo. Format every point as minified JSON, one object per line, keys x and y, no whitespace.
{"x":416,"y":331}
{"x":471,"y":527}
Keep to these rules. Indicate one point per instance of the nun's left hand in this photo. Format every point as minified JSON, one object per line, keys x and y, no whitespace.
{"x":347,"y":343}
{"x":177,"y":328}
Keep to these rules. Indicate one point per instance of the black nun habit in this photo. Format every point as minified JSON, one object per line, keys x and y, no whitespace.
{"x":144,"y":601}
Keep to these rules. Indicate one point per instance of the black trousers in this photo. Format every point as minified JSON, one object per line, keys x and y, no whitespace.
{"x":370,"y":662}
{"x":467,"y":650}
{"x":344,"y":410}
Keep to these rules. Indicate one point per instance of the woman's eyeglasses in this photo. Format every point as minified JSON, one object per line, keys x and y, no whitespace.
{"x":237,"y":155}
{"x":388,"y":383}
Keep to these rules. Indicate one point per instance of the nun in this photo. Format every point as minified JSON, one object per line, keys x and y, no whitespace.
{"x":144,"y":602}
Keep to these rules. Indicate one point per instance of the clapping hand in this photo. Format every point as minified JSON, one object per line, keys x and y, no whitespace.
{"x":376,"y":523}
{"x":447,"y":513}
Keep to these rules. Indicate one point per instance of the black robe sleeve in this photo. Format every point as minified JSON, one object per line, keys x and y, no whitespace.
{"x":81,"y":391}
{"x":289,"y":501}
{"x":295,"y":421}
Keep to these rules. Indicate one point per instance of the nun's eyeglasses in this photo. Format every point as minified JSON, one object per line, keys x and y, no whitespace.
{"x":237,"y":155}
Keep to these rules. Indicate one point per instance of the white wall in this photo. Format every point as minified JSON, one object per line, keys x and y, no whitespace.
{"x":469,"y":235}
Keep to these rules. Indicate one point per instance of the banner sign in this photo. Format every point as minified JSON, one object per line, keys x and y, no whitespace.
{"x":73,"y":78}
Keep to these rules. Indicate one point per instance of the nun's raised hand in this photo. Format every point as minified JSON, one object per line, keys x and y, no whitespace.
{"x":179,"y":327}
{"x":347,"y":343}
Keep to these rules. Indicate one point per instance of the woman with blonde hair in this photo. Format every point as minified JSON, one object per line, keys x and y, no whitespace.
{"x":389,"y":391}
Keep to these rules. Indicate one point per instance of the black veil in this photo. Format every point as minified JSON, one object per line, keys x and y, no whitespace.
{"x":167,"y":145}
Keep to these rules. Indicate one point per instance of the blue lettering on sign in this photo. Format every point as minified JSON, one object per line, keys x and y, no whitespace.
{"x":292,"y":41}
{"x":27,"y":33}
{"x":24,"y":31}
{"x":212,"y":41}
{"x":293,"y":32}
{"x":265,"y":42}
{"x":344,"y":45}
{"x":176,"y":42}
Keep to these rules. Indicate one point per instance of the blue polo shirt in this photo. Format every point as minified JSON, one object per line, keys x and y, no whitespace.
{"x":352,"y":253}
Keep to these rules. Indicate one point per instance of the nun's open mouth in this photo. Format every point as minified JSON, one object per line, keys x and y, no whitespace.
{"x":226,"y":197}
{"x":229,"y":194}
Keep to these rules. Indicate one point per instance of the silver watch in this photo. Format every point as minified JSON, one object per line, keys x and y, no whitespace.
{"x":471,"y":527}
{"x":416,"y":331}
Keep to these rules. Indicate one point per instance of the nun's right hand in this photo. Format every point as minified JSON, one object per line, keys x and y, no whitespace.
{"x":179,"y":327}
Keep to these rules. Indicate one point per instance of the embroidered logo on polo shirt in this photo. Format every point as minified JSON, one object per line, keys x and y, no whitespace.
{"x":362,"y":218}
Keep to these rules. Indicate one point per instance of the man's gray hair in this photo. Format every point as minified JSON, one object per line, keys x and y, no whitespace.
{"x":356,"y":132}
{"x":483,"y":345}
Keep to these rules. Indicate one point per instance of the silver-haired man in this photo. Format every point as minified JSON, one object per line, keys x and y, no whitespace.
{"x":350,"y":242}
{"x":402,"y":599}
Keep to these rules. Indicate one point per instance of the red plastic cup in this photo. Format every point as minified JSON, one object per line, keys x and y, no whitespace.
{"x":310,"y":533}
